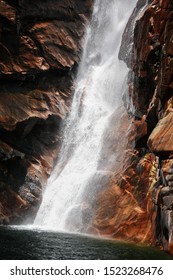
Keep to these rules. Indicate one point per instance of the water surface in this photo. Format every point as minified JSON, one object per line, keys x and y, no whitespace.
{"x":22,"y":244}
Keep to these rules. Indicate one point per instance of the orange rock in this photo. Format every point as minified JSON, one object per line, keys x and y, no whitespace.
{"x":40,"y":46}
{"x":160,"y":139}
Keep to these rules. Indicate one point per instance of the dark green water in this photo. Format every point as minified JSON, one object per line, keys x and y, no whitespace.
{"x":22,"y":244}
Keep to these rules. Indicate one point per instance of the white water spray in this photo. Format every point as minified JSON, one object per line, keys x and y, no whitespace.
{"x":68,"y":198}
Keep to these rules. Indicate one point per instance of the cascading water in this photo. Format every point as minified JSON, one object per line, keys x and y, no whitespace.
{"x":97,"y":96}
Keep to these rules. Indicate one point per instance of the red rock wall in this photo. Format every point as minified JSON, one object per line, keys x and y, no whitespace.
{"x":138,"y":205}
{"x":40,"y":47}
{"x":149,"y":103}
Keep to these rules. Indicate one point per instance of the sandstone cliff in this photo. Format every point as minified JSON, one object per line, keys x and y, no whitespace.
{"x":138,"y":206}
{"x":40,"y":47}
{"x":149,"y":102}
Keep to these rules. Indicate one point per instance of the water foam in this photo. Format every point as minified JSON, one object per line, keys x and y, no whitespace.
{"x":67,"y":201}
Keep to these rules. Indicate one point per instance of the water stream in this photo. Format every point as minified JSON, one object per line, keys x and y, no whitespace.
{"x":97,"y":97}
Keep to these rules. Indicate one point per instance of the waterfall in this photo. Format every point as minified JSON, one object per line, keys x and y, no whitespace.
{"x":76,"y":179}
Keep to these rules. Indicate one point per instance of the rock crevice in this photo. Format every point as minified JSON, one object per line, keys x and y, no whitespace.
{"x":40,"y":48}
{"x":150,"y":105}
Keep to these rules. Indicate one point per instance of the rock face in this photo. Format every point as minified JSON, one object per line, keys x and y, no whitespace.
{"x":138,"y":205}
{"x":149,"y":102}
{"x":40,"y":47}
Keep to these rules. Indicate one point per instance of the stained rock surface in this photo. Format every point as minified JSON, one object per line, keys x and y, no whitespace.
{"x":40,"y":48}
{"x":138,"y":205}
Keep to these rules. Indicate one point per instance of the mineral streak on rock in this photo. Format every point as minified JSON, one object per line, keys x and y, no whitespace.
{"x":40,"y":48}
{"x":150,"y":101}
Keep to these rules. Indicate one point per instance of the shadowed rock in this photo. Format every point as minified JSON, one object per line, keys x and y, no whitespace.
{"x":149,"y":98}
{"x":40,"y":47}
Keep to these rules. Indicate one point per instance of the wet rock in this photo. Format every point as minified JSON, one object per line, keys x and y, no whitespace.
{"x":150,"y":97}
{"x":7,"y":12}
{"x":40,"y":48}
{"x":120,"y":216}
{"x":160,"y":140}
{"x":167,"y":230}
{"x":64,"y":48}
{"x":26,"y":57}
